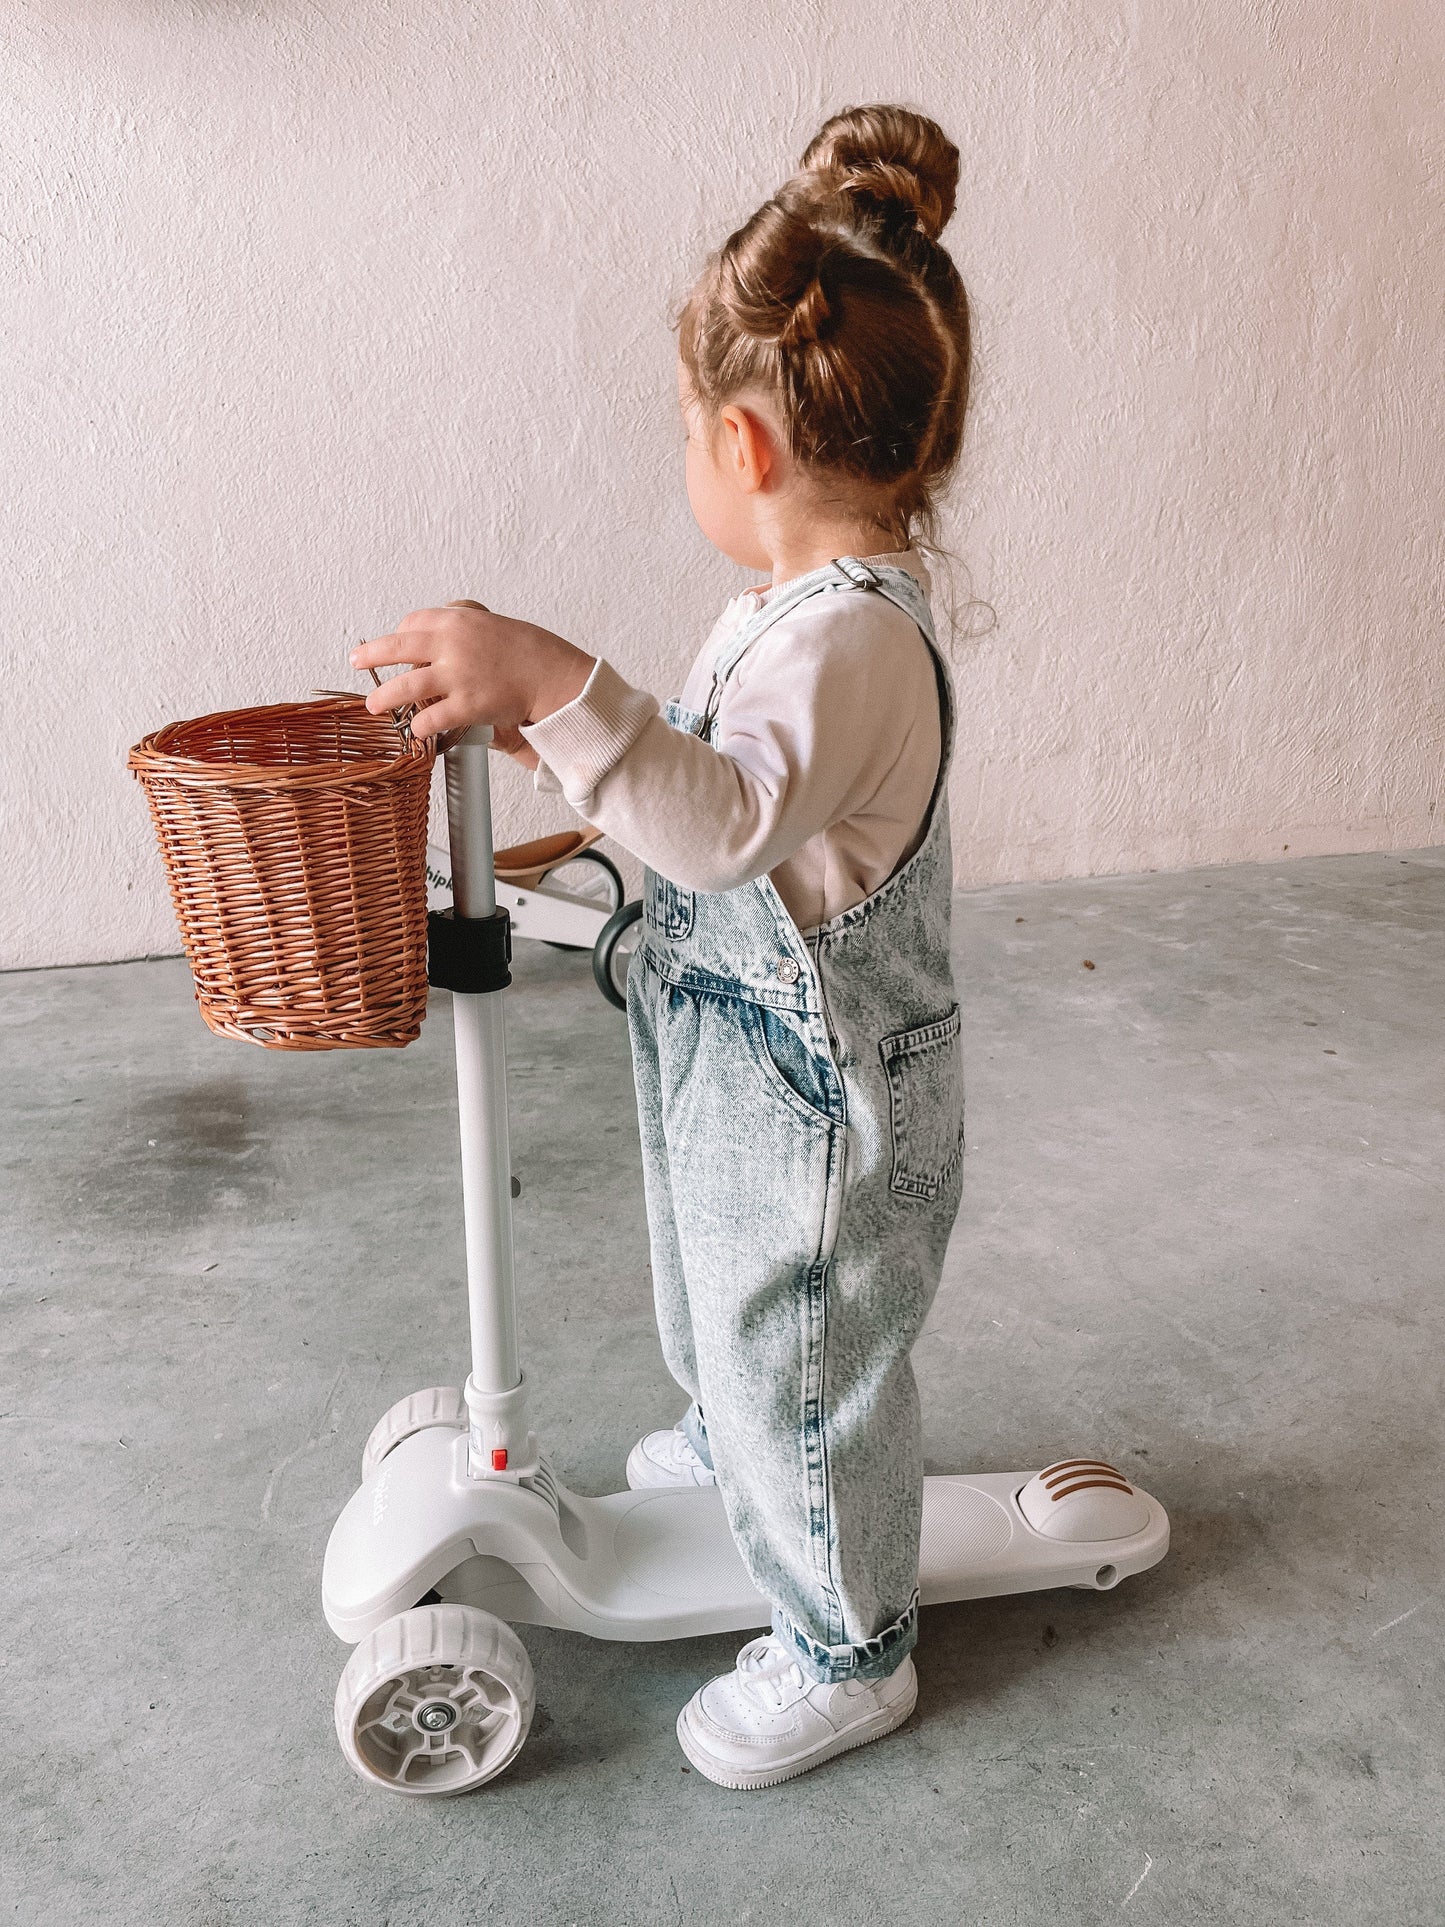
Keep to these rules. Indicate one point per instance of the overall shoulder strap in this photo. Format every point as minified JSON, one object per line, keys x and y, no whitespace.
{"x":845,"y":572}
{"x":736,"y":646}
{"x":902,"y":588}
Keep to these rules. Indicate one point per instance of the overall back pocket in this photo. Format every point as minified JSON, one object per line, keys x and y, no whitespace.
{"x":924,"y":1067}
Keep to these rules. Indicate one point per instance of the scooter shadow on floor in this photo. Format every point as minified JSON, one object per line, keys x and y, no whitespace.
{"x":1246,"y":1547}
{"x":970,"y":1654}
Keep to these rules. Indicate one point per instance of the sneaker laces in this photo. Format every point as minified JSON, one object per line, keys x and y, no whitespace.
{"x":680,"y":1451}
{"x":769,"y":1675}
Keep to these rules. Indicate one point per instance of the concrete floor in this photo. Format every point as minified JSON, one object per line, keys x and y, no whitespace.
{"x":1203,"y":1234}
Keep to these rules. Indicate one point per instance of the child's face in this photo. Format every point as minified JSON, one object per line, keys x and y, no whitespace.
{"x":724,"y":507}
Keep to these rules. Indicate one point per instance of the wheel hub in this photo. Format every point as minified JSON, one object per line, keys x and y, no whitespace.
{"x":435,"y":1716}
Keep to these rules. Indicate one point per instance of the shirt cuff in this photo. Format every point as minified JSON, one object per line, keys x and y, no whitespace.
{"x":588,"y":736}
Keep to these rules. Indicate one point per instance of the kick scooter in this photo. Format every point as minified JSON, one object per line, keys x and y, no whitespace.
{"x":460,"y":1525}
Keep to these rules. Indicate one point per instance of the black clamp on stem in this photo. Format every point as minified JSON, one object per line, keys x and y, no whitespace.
{"x":470,"y":954}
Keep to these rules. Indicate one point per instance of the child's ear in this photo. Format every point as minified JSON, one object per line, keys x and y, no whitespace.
{"x":747,"y":447}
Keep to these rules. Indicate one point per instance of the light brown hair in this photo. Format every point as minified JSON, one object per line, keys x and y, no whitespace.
{"x":837,"y":299}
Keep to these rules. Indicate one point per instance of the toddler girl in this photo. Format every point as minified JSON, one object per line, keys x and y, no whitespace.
{"x":792,"y":1009}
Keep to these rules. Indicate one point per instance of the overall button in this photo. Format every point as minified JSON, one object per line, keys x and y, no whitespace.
{"x":787,"y":970}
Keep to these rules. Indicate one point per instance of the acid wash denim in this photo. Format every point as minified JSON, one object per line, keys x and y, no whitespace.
{"x":801,"y":1110}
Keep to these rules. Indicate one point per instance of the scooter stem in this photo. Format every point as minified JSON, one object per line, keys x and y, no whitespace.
{"x":501,"y":1443}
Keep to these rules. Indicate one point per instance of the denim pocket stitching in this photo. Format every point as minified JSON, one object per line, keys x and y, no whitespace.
{"x":679,"y":910}
{"x":752,"y":1024}
{"x":895,"y":1050}
{"x":668,"y":909}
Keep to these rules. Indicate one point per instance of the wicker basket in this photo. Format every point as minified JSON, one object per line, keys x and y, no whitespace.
{"x":294,"y":839}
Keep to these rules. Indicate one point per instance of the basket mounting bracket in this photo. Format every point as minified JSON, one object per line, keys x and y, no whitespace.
{"x":469,"y":954}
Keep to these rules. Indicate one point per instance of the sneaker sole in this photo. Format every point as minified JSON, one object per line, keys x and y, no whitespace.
{"x":741,"y":1780}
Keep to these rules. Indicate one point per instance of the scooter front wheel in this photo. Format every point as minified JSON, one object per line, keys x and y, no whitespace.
{"x":435,"y":1701}
{"x":437,"y":1405}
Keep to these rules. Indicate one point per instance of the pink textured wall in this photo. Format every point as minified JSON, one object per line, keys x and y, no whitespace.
{"x":314,"y":313}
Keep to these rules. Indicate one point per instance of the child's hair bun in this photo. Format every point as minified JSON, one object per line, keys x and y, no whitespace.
{"x":837,"y":298}
{"x":888,"y":160}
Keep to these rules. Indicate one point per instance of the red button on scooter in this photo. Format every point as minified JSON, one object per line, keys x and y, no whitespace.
{"x":499,"y":1458}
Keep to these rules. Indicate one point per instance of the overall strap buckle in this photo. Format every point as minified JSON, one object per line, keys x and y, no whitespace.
{"x":858,"y":573}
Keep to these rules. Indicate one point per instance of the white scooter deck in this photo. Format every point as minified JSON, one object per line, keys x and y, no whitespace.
{"x":661,"y":1564}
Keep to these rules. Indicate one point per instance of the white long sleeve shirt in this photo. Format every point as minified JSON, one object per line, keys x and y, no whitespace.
{"x":827,"y":750}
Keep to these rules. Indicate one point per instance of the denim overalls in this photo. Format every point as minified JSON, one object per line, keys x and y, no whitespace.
{"x":801,"y":1109}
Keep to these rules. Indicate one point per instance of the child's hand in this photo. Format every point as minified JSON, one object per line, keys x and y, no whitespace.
{"x":515,"y":744}
{"x":471,"y":666}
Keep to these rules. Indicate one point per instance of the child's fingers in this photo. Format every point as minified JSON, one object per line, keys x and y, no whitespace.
{"x":397,"y":691}
{"x":428,"y":618}
{"x":507,"y":737}
{"x":438,"y":717}
{"x":385,"y":651}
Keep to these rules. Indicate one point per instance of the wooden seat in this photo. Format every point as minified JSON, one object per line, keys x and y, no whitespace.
{"x":525,"y":864}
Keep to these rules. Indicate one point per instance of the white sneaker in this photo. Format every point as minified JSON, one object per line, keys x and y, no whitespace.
{"x":768,"y":1721}
{"x":666,"y":1458}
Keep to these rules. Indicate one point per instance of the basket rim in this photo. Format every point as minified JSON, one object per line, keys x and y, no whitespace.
{"x":151,"y":759}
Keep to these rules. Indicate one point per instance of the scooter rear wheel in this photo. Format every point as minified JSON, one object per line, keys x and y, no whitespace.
{"x":435,"y":1701}
{"x":590,"y":875}
{"x":612,"y":953}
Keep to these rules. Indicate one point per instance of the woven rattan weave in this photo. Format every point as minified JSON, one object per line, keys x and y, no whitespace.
{"x":294,"y":839}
